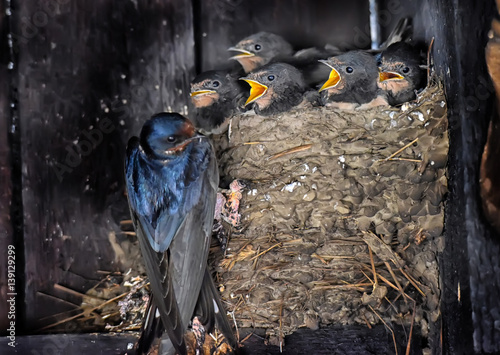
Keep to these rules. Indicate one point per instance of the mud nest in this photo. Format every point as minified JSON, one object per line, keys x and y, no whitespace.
{"x":341,"y":216}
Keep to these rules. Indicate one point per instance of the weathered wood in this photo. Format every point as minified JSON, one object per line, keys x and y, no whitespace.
{"x":349,"y":340}
{"x":90,"y":74}
{"x":6,"y":230}
{"x":302,"y":23}
{"x":471,"y":287}
{"x":490,"y":168}
{"x":79,"y":61}
{"x":105,"y":344}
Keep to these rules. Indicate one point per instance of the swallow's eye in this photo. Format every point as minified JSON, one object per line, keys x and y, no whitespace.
{"x":349,"y":70}
{"x":257,"y":47}
{"x":406,"y":70}
{"x":270,"y":77}
{"x":171,"y":139}
{"x":216,"y":84}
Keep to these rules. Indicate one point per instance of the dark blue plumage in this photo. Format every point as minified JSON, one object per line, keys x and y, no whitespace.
{"x":172,"y":178}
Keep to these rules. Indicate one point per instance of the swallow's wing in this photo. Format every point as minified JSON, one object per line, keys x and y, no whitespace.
{"x":189,"y":249}
{"x":157,"y":263}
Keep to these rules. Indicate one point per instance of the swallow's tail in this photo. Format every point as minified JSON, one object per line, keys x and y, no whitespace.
{"x":211,"y":311}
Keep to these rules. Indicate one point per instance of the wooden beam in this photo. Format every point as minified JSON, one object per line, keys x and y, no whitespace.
{"x":90,"y":74}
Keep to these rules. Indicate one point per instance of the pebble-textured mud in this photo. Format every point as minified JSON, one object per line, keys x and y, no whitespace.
{"x":324,"y":189}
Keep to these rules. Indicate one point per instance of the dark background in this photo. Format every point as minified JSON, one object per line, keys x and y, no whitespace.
{"x":75,"y":65}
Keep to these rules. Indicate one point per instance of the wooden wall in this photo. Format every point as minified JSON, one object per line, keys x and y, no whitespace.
{"x":101,"y":68}
{"x":471,"y":289}
{"x":6,"y":230}
{"x":88,"y":75}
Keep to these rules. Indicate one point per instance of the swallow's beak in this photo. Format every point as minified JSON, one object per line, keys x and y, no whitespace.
{"x":256,"y":90}
{"x":241,"y":53}
{"x":389,"y":75}
{"x":333,"y":79}
{"x":202,"y":92}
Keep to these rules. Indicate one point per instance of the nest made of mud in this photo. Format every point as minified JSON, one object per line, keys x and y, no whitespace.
{"x":341,"y":216}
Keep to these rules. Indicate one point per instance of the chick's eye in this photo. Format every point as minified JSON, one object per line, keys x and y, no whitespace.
{"x":349,"y":70}
{"x":216,"y":84}
{"x":270,"y":77}
{"x":257,"y":47}
{"x":406,"y":70}
{"x":171,"y":139}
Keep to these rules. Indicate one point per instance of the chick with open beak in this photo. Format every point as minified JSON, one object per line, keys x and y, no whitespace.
{"x":216,"y":96}
{"x":352,"y":83}
{"x":275,"y":88}
{"x":260,"y":49}
{"x":401,"y":73}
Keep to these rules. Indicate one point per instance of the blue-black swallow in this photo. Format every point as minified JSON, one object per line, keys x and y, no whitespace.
{"x":352,"y":82}
{"x":275,"y":88}
{"x":216,"y":96}
{"x":401,"y":72}
{"x":172,"y":179}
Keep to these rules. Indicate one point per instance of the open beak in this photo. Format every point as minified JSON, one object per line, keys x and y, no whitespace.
{"x":241,"y":53}
{"x":333,"y":79}
{"x":202,"y":92}
{"x":389,"y":75}
{"x":256,"y":90}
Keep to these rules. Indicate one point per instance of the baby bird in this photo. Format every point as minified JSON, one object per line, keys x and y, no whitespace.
{"x":275,"y":88}
{"x":260,"y":49}
{"x":216,"y":96}
{"x":401,"y":72}
{"x":352,"y":83}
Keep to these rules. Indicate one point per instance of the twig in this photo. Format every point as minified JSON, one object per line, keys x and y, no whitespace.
{"x":265,"y":251}
{"x":413,"y":282}
{"x":375,"y":281}
{"x":429,"y":60}
{"x":281,"y":326}
{"x":408,"y":346}
{"x":252,"y":143}
{"x":403,"y":159}
{"x":400,"y":150}
{"x":290,"y":151}
{"x":246,"y":338}
{"x":85,"y":311}
{"x":396,"y":280}
{"x":235,"y":326}
{"x":390,"y":329}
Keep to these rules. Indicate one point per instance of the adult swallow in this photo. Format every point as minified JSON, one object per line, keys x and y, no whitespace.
{"x":401,"y":72}
{"x":352,"y":82}
{"x":260,"y":49}
{"x":172,"y":179}
{"x":275,"y":88}
{"x":216,"y":96}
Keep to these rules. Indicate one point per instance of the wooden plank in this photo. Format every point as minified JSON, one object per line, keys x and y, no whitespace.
{"x":6,"y":228}
{"x":471,"y":284}
{"x":105,"y":344}
{"x":349,"y":340}
{"x":346,"y":340}
{"x":302,"y":23}
{"x":90,"y":73}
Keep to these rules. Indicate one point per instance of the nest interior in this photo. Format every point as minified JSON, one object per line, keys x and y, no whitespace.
{"x":341,"y":216}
